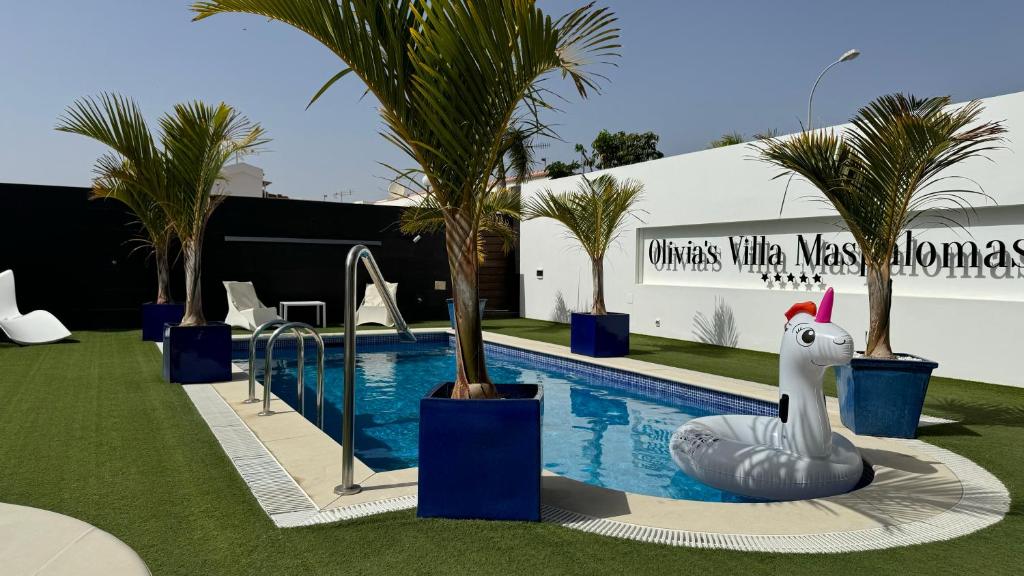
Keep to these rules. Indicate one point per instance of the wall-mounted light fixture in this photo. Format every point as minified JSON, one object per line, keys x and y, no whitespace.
{"x":540,"y":273}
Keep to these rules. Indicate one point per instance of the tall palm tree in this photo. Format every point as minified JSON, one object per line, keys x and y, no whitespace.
{"x":595,"y":214}
{"x":198,"y":140}
{"x":133,"y":172}
{"x":451,"y":77}
{"x":885,"y":173}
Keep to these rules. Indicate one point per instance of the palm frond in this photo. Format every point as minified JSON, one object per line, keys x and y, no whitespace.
{"x":199,"y":139}
{"x":133,"y":172}
{"x":500,"y":210}
{"x":595,"y":213}
{"x":451,"y":75}
{"x":886,"y":171}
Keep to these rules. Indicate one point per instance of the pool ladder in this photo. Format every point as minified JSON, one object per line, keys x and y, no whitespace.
{"x":299,"y":330}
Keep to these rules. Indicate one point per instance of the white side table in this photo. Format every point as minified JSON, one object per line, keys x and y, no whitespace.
{"x":321,"y":309}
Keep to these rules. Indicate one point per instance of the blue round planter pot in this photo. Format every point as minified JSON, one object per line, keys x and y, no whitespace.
{"x":599,"y":336}
{"x":155,"y":316}
{"x":481,"y":459}
{"x":451,"y":310}
{"x":883,"y":397}
{"x":196,"y":354}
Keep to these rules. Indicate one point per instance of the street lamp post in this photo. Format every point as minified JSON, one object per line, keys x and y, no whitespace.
{"x":846,"y":57}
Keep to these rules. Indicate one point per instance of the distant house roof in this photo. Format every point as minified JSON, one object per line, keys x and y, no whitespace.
{"x":244,"y":179}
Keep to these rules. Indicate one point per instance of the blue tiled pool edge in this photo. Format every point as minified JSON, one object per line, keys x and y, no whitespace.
{"x":697,"y":396}
{"x":705,"y":398}
{"x":241,"y":345}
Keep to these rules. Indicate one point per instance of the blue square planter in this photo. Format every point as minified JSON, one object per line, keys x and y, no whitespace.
{"x":481,"y":458}
{"x":154,"y":316}
{"x":883,"y":397}
{"x":600,"y":336}
{"x":194,"y":354}
{"x":451,"y":310}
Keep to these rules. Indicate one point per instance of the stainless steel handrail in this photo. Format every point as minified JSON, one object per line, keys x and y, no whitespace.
{"x":300,"y":330}
{"x":358,"y":253}
{"x":252,"y":357}
{"x":268,"y":360}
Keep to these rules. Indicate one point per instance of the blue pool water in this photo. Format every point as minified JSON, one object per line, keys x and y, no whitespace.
{"x":595,"y":430}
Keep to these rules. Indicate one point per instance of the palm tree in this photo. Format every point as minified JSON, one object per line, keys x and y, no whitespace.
{"x":769,"y":133}
{"x":595,"y":214}
{"x":132,"y":173}
{"x":198,"y":140}
{"x":885,"y":173}
{"x":451,"y":78}
{"x":727,"y":140}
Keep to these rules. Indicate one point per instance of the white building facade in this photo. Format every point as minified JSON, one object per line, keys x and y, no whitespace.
{"x":242,"y":179}
{"x":711,"y":245}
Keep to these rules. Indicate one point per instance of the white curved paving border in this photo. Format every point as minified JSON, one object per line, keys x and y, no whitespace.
{"x":43,"y":543}
{"x":983,"y":502}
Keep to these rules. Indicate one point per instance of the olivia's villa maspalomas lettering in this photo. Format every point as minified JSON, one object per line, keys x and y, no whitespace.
{"x":823,"y":254}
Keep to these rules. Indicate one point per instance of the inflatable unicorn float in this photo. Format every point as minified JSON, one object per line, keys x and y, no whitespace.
{"x":795,"y":455}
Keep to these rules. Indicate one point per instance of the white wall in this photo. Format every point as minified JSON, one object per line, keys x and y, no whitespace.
{"x":970,"y":320}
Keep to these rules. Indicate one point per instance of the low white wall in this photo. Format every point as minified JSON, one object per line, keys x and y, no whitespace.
{"x":964,"y":313}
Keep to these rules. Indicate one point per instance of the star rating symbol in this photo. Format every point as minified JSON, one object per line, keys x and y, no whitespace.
{"x":803,"y":278}
{"x":778,"y":277}
{"x":790,"y":277}
{"x":764,"y":277}
{"x":817,"y":278}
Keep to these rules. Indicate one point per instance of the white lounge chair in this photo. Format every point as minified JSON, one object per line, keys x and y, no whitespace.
{"x":244,"y":309}
{"x":373,"y":310}
{"x":38,"y":327}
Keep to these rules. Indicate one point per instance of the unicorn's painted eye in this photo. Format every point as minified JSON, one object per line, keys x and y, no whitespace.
{"x":806,"y":337}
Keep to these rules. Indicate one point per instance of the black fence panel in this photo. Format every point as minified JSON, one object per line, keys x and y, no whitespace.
{"x":77,"y":258}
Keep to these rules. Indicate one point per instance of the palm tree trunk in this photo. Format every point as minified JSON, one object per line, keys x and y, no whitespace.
{"x":193,"y":252}
{"x":879,"y":306}
{"x":597,"y":268}
{"x":471,"y":379}
{"x":163,"y":275}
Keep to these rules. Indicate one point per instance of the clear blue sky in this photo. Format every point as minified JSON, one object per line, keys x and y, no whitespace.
{"x":690,"y":71}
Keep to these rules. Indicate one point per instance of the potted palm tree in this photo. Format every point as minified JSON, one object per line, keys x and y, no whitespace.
{"x":595,"y":214}
{"x":198,"y":140}
{"x":883,"y":174}
{"x":451,"y":77}
{"x":133,"y":173}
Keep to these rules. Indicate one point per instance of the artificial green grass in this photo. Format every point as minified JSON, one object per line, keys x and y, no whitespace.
{"x":89,"y":429}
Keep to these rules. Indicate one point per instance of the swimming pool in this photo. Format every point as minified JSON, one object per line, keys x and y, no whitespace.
{"x":601,"y":426}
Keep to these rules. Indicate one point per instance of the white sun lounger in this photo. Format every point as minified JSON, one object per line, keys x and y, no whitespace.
{"x":38,"y":327}
{"x":244,"y":309}
{"x":373,"y":310}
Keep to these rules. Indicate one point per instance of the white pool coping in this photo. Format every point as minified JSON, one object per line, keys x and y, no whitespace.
{"x":921,"y":493}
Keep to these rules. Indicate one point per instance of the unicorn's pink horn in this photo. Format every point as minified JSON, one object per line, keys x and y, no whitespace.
{"x":824,"y":315}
